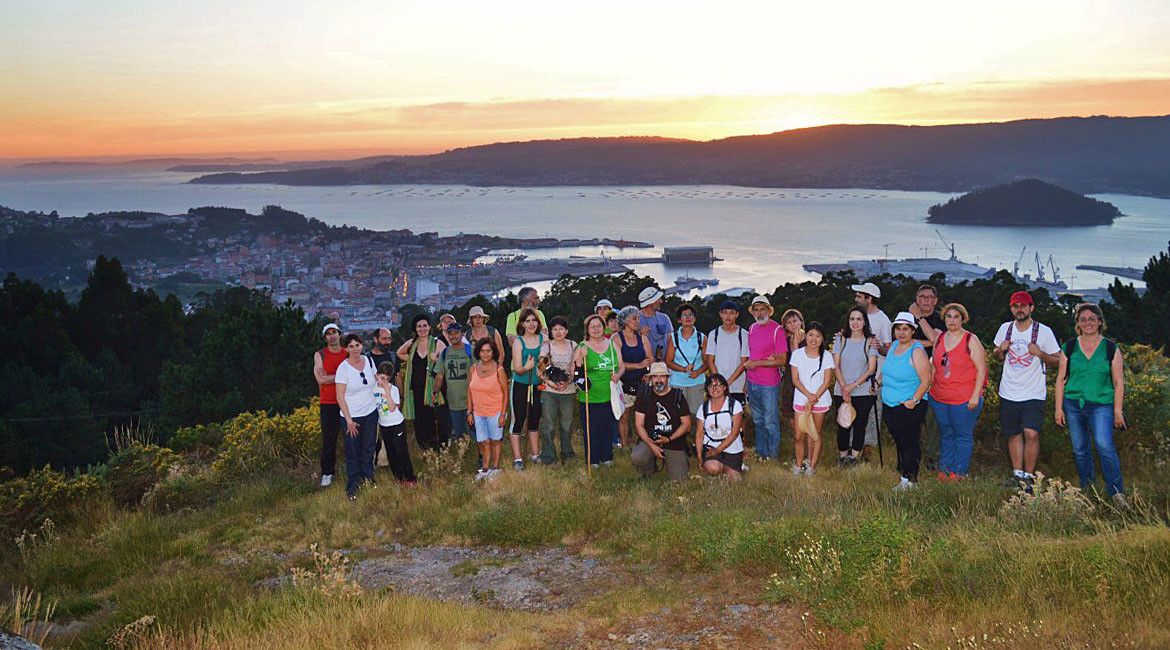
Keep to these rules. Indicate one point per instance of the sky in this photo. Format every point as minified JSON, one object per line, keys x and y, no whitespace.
{"x":82,"y":78}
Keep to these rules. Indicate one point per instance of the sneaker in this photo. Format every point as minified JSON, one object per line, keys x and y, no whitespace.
{"x":1120,"y":502}
{"x":1014,"y":481}
{"x":481,"y":474}
{"x":904,"y":485}
{"x":842,"y":461}
{"x":1028,"y":483}
{"x":617,"y":445}
{"x":326,"y":480}
{"x":607,"y":463}
{"x":810,"y":471}
{"x":352,"y":497}
{"x":764,"y":459}
{"x":534,"y":459}
{"x":494,"y":472}
{"x":743,"y":467}
{"x":942,"y":477}
{"x":955,"y":478}
{"x":518,"y":464}
{"x":797,"y":470}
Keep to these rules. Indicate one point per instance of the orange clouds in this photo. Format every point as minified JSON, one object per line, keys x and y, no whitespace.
{"x":391,"y":127}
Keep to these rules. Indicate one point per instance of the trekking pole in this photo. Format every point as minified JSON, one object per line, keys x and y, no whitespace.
{"x":588,"y":446}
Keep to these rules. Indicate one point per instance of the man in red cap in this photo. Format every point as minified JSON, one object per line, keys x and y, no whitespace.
{"x":1025,"y":347}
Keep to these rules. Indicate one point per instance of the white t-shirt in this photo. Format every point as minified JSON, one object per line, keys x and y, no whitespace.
{"x":1023,"y":374}
{"x":387,"y":417}
{"x":881,"y":327}
{"x":717,"y":424}
{"x":812,"y":375}
{"x":729,"y":349}
{"x":359,"y":396}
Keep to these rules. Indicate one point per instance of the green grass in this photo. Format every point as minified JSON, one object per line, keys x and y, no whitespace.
{"x":945,"y":557}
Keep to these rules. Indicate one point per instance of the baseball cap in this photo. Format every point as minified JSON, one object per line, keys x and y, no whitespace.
{"x":658,"y":368}
{"x":454,"y":327}
{"x":329,"y":326}
{"x":1021,"y":298}
{"x":868,"y":288}
{"x":604,"y":302}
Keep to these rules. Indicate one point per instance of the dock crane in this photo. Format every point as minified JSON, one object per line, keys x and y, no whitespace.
{"x":1019,"y":260}
{"x":946,"y":244}
{"x":1039,"y":269}
{"x":886,"y":250}
{"x":1055,"y":269}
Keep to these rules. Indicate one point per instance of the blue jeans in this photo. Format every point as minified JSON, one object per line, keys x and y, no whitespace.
{"x":956,"y":429}
{"x":1094,"y":421}
{"x":359,"y":451}
{"x":458,"y":423}
{"x":765,"y":404}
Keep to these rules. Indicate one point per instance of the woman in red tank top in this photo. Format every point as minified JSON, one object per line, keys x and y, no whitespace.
{"x":956,"y":395}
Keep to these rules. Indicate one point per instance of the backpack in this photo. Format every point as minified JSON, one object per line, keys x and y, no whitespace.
{"x":728,"y":408}
{"x":1070,"y":347}
{"x":740,"y":333}
{"x":678,"y":350}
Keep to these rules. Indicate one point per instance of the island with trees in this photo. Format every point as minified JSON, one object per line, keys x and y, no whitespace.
{"x":1029,"y":202}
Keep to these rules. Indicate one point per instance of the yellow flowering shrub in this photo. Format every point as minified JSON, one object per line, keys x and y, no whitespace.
{"x":26,"y":502}
{"x":256,"y":440}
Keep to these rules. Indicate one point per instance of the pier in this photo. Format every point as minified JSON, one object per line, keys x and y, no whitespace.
{"x":1127,"y":272}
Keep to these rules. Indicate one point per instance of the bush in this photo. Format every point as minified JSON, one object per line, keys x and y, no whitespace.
{"x":181,"y":492}
{"x":197,"y":439}
{"x":26,"y":502}
{"x":253,"y":442}
{"x":135,"y":470}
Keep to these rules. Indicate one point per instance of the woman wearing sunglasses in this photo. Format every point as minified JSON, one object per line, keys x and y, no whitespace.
{"x":356,"y":381}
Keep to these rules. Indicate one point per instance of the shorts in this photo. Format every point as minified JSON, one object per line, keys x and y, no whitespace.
{"x":816,"y":409}
{"x":734,"y":461}
{"x":488,"y":428}
{"x":1014,"y":417}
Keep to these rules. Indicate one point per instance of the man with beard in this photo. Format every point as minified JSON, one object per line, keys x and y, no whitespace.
{"x":767,"y":354}
{"x":662,"y":420}
{"x":1025,"y":347}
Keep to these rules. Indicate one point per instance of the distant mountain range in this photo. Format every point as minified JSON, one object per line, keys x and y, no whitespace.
{"x":1091,"y":155}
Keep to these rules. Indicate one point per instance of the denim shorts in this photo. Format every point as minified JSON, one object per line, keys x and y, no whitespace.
{"x":488,"y":428}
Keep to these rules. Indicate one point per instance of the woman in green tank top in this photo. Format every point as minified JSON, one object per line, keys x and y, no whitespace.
{"x":601,"y":364}
{"x":1090,"y":391}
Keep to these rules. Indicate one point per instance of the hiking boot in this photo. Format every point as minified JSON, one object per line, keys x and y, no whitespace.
{"x":326,"y":480}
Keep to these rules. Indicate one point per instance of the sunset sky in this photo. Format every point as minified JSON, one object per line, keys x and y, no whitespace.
{"x":160,"y":77}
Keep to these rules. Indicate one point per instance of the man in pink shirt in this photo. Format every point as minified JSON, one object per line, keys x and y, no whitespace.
{"x":767,"y":355}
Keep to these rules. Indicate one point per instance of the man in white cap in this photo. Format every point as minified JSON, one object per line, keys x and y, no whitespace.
{"x":655,"y":324}
{"x":662,"y":419}
{"x":767,"y":354}
{"x":325,"y":364}
{"x":866,"y":296}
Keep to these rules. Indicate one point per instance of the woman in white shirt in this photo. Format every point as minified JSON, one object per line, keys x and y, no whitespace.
{"x":355,"y":382}
{"x":812,"y":376}
{"x":718,"y":440}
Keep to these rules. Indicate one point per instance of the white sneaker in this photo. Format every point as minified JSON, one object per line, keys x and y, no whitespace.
{"x":326,"y":480}
{"x":744,"y":467}
{"x":903,"y":485}
{"x":810,"y":471}
{"x":797,"y":470}
{"x":1120,"y":502}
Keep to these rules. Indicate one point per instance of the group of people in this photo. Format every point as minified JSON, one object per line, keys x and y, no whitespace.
{"x":668,"y":392}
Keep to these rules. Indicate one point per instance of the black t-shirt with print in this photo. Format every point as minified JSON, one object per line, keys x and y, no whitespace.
{"x":663,"y":415}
